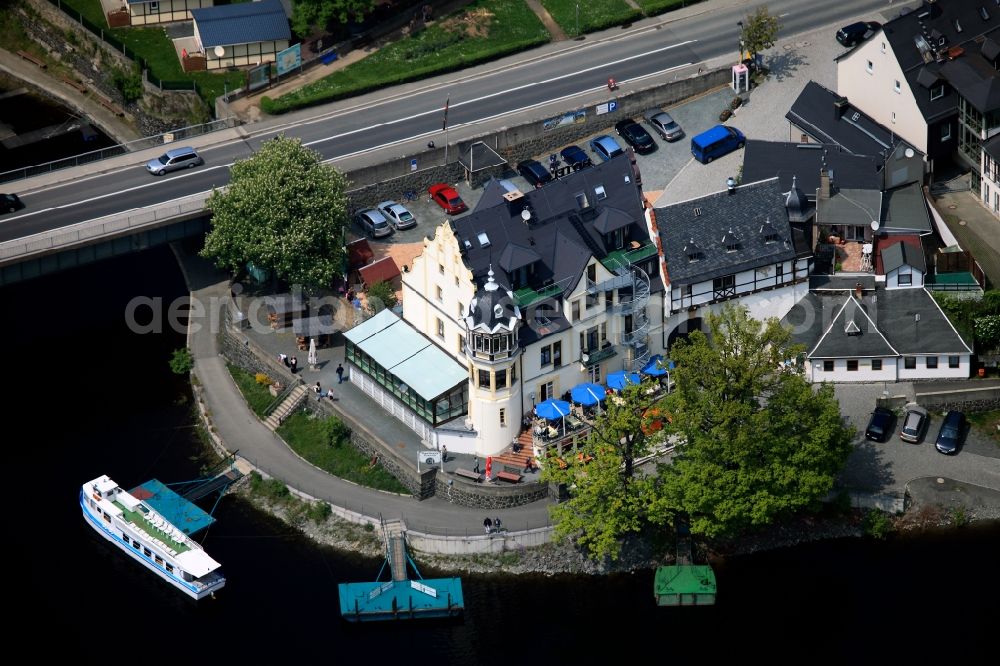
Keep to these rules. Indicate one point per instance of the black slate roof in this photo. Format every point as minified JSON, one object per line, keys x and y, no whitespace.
{"x":904,"y":208}
{"x":899,"y":254}
{"x":884,"y":324}
{"x":976,"y":80}
{"x":491,"y":309}
{"x":803,"y":161}
{"x":696,"y":234}
{"x":559,"y":230}
{"x":918,"y":37}
{"x":815,"y":113}
{"x":992,"y":148}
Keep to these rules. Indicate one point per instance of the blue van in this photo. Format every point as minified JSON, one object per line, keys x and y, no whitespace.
{"x":716,"y":142}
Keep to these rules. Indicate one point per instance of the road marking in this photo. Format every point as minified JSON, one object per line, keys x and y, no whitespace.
{"x":483,"y":119}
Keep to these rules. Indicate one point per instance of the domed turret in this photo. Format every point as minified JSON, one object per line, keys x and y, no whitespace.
{"x":492,"y":320}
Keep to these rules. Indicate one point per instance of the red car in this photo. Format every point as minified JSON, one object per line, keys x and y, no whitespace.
{"x":444,"y":195}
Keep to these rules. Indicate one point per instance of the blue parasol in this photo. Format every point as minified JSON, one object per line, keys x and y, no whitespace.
{"x":587,"y":394}
{"x":552,"y":409}
{"x":654,"y":367}
{"x":621,"y":379}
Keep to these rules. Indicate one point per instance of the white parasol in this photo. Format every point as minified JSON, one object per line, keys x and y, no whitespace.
{"x":313,"y":360}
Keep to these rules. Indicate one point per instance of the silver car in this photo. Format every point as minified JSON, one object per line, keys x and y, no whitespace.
{"x":914,"y":423}
{"x":176,"y":158}
{"x":664,"y":125}
{"x":397,"y":215}
{"x":373,"y":223}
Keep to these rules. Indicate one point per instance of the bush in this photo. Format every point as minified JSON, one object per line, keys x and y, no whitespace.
{"x":318,"y":512}
{"x":725,"y":115}
{"x":181,"y":362}
{"x":336,"y":431}
{"x":129,"y":84}
{"x":262,"y":379}
{"x":878,"y":524}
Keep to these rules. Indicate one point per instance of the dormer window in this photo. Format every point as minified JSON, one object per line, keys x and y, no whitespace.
{"x":937,"y":92}
{"x":852,"y":328}
{"x":581,"y":200}
{"x":484,"y":240}
{"x":693,"y":252}
{"x":769,"y":233}
{"x":985,"y":14}
{"x":730,"y":241}
{"x":600,"y":193}
{"x":697,"y":212}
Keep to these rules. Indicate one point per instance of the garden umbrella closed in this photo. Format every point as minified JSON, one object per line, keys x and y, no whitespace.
{"x":587,"y":394}
{"x":621,"y":379}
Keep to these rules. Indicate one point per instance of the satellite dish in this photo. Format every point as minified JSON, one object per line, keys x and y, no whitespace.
{"x":525,"y":214}
{"x":874,"y":225}
{"x":219,"y":51}
{"x":908,"y":152}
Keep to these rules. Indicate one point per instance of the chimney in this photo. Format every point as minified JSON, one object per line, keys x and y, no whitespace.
{"x":824,"y":184}
{"x":839,"y":107}
{"x":731,"y":185}
{"x":858,"y":291}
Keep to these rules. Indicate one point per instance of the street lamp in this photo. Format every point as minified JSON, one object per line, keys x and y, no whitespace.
{"x":739,"y":58}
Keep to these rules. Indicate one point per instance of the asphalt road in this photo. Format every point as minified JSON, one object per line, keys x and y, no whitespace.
{"x":363,"y":130}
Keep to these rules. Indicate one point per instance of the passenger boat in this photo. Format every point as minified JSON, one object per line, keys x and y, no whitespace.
{"x":137,"y":528}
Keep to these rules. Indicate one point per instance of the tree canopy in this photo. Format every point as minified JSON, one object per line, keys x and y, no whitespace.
{"x":758,"y":442}
{"x":760,"y":30}
{"x":607,"y":498}
{"x":284,"y":210}
{"x":381,"y":295}
{"x":754,"y":441}
{"x":310,"y":14}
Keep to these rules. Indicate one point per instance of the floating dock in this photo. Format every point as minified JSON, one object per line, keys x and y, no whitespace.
{"x":400,"y":598}
{"x":684,"y":584}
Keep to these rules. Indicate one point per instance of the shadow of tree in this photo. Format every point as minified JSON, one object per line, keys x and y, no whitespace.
{"x":866,"y":468}
{"x":784,"y":64}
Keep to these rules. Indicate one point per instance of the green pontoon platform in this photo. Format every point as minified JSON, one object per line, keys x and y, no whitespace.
{"x":684,"y":585}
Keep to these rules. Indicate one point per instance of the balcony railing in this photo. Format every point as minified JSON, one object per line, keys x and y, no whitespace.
{"x":622,"y":259}
{"x":527,"y":295}
{"x":596,"y":356}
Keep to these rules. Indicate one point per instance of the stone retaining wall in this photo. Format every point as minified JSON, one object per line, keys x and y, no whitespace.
{"x":391,"y":179}
{"x":488,"y":495}
{"x":965,"y":400}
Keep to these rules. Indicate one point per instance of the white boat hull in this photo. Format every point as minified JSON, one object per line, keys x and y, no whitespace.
{"x":190,"y":589}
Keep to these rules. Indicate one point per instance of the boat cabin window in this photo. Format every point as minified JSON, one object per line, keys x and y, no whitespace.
{"x":135,"y":544}
{"x":170,"y":568}
{"x":147,"y":552}
{"x":158,"y":559}
{"x":107,"y":518}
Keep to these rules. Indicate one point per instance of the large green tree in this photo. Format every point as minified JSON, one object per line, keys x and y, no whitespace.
{"x":318,"y":14}
{"x":607,"y":498}
{"x":760,"y":31}
{"x":284,"y":210}
{"x":758,"y":441}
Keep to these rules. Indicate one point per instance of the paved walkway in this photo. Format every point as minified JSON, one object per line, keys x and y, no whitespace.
{"x":241,"y":430}
{"x":543,"y":15}
{"x":112,"y":125}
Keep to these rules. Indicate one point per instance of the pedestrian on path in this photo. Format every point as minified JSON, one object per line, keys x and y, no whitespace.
{"x":488,"y":524}
{"x":497,"y":525}
{"x":444,"y":453}
{"x":340,"y":373}
{"x":476,"y":468}
{"x":293,"y":363}
{"x":283,"y":358}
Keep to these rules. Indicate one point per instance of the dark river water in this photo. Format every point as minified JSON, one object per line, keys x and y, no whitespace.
{"x":85,"y":397}
{"x":69,"y":134}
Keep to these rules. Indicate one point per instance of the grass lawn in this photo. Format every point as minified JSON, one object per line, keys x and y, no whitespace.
{"x":481,"y":32}
{"x":152,"y":45}
{"x":256,"y":395}
{"x":594,"y":15}
{"x":308,"y":436}
{"x":987,"y":422}
{"x":652,"y":7}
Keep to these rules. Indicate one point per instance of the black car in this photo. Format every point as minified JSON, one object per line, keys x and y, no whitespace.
{"x":575,"y":157}
{"x":534,"y":172}
{"x":635,"y":135}
{"x":879,"y":425}
{"x":9,"y":203}
{"x":951,"y":432}
{"x":854,"y":33}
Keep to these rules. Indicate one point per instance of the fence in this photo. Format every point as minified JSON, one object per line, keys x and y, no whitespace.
{"x":111,"y":40}
{"x":120,"y":149}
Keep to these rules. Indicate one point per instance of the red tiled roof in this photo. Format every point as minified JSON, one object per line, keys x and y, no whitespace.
{"x":383,"y":269}
{"x":359,"y":253}
{"x":885,"y":241}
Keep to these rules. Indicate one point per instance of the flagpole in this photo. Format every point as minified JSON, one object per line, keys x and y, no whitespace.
{"x":447,"y":101}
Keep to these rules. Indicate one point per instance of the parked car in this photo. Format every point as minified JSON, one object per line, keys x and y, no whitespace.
{"x":950,"y":434}
{"x":10,"y":202}
{"x":605,"y":147}
{"x":185,"y":157}
{"x":880,"y":425}
{"x":664,"y":125}
{"x":533,"y":172}
{"x":636,"y":136}
{"x":447,"y":197}
{"x":914,"y":423}
{"x":574,"y":157}
{"x":716,"y":142}
{"x":373,"y":223}
{"x":397,"y":214}
{"x":854,"y":33}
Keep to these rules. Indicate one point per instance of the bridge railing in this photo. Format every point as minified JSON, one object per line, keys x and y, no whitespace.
{"x":171,"y":137}
{"x":111,"y":225}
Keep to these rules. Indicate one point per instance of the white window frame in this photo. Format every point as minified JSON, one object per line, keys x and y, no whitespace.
{"x":869,"y":67}
{"x":946,"y":132}
{"x":897,"y":87}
